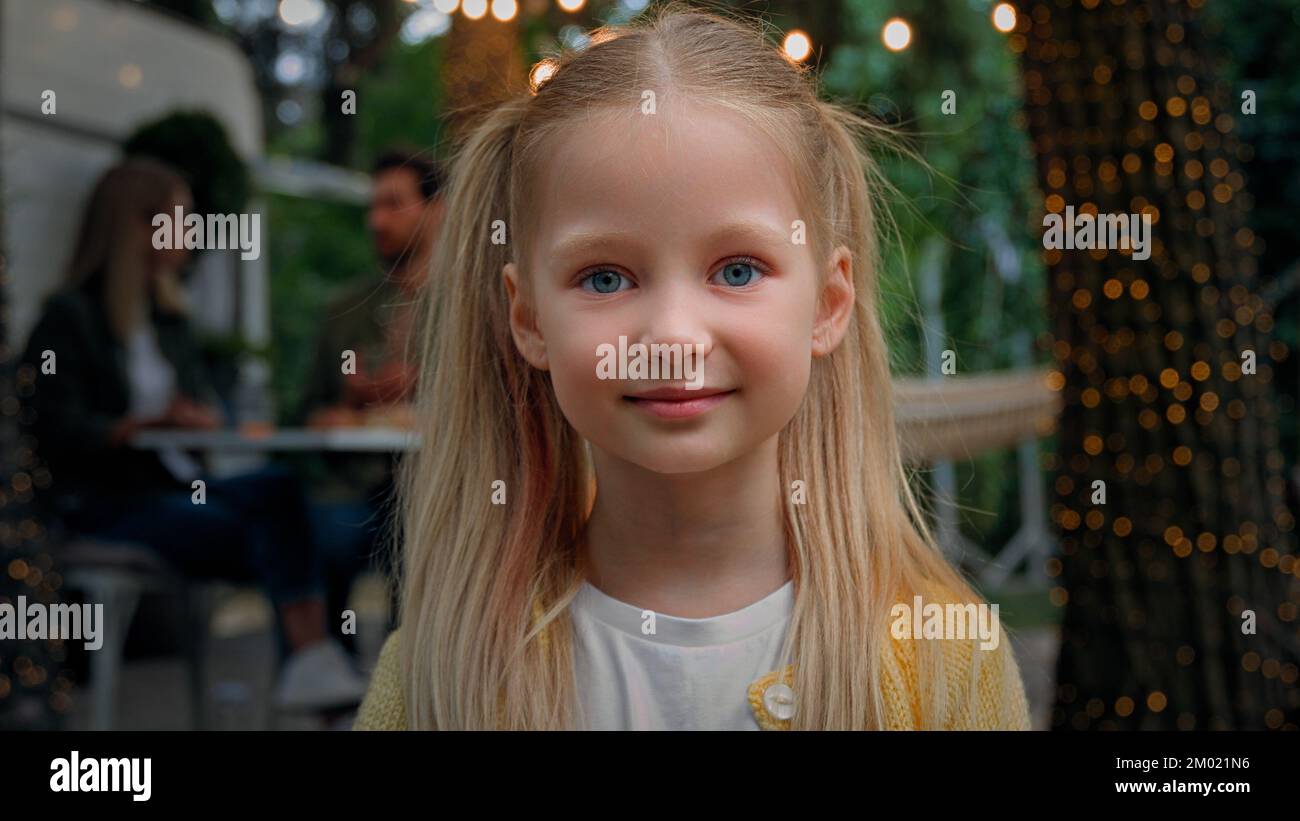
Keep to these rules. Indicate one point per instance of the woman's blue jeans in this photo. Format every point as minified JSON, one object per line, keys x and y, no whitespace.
{"x":253,"y":527}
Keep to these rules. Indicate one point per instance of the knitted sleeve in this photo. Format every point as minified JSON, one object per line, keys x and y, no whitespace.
{"x":1012,"y":706}
{"x":976,"y":688}
{"x":998,"y":701}
{"x":384,"y":707}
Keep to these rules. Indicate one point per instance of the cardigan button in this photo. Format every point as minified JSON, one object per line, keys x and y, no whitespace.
{"x":778,"y":700}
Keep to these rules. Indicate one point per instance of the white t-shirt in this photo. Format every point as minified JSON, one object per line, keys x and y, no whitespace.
{"x":152,"y":381}
{"x":692,"y":674}
{"x":152,"y":378}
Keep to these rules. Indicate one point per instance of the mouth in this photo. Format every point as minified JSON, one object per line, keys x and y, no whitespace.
{"x":679,"y":403}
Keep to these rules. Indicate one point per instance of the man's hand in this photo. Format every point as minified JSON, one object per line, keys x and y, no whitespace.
{"x":400,"y":415}
{"x":335,"y":416}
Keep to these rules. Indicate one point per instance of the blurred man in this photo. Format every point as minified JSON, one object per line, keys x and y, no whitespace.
{"x":372,"y":319}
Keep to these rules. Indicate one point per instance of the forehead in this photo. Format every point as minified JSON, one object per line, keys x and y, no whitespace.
{"x":673,"y":176}
{"x":397,"y":181}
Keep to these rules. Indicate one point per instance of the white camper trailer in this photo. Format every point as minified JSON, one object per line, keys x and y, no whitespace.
{"x":77,"y":77}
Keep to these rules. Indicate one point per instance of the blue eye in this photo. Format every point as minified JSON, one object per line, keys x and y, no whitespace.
{"x":603,"y":282}
{"x":740,"y":273}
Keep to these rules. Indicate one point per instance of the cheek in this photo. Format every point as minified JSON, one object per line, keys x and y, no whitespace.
{"x":772,"y":350}
{"x":411,"y":220}
{"x":571,"y":345}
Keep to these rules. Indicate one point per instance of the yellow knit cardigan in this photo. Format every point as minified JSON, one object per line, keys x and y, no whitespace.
{"x":999,"y":702}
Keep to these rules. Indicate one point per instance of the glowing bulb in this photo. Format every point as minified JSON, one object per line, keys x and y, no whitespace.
{"x":474,"y":9}
{"x":797,"y":45}
{"x":897,"y":34}
{"x":446,"y":6}
{"x":570,"y":5}
{"x":301,"y":12}
{"x":504,"y":10}
{"x":1004,"y":17}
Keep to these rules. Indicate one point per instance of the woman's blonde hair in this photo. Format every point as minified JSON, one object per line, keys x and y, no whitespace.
{"x":119,"y":211}
{"x":474,"y":653}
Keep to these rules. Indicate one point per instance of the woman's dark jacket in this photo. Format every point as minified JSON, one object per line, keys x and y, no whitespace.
{"x":70,"y":412}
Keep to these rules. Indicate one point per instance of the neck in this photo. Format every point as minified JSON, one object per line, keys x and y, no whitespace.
{"x":692,"y":545}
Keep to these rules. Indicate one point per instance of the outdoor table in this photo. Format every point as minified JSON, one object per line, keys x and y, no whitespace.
{"x":233,"y":440}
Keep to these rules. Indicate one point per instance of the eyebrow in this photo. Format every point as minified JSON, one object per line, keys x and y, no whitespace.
{"x":751,"y":231}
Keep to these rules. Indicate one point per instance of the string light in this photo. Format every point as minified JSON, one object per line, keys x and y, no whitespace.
{"x":298,"y":13}
{"x":1181,"y":151}
{"x":897,"y":34}
{"x":797,"y":45}
{"x":504,"y":10}
{"x":1004,"y":17}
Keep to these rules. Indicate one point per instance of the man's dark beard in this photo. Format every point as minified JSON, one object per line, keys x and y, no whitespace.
{"x":395,"y":266}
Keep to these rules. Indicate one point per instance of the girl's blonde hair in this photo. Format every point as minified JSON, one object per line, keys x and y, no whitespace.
{"x":473,"y":650}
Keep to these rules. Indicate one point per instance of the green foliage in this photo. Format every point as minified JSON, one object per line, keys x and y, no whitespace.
{"x":315,"y":248}
{"x":402,"y":102}
{"x":195,"y":143}
{"x":970,"y":204}
{"x":973,"y":197}
{"x":399,"y":102}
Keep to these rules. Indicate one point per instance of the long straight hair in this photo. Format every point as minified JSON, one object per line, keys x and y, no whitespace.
{"x":475,"y":652}
{"x":116,"y":217}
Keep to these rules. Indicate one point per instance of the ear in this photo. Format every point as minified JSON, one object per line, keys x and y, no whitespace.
{"x":835,"y":303}
{"x":523,"y":321}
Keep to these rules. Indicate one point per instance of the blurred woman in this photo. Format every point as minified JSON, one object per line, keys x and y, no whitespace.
{"x":112,"y":354}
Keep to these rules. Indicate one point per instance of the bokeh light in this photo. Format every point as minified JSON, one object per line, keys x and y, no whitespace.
{"x":896,"y":34}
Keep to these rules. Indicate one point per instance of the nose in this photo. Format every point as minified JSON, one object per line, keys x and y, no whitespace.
{"x":677,"y":315}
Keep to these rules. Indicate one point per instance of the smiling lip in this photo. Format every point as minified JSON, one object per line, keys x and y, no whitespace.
{"x":679,"y":403}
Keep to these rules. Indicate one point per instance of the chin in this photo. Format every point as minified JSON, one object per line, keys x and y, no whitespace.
{"x":678,"y":458}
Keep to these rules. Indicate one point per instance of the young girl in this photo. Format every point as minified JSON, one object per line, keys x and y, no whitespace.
{"x":622,"y":553}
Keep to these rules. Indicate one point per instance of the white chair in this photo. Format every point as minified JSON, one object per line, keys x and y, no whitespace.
{"x":117,"y":575}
